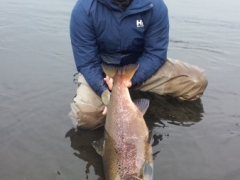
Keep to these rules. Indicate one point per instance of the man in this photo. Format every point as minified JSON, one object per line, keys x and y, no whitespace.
{"x":121,"y":32}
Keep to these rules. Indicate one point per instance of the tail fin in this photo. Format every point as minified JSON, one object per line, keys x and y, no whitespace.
{"x":127,"y":71}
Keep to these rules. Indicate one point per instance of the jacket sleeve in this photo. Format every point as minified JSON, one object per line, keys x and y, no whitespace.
{"x":156,"y":44}
{"x":85,"y":49}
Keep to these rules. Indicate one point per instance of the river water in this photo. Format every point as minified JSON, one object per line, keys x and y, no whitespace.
{"x":197,"y":140}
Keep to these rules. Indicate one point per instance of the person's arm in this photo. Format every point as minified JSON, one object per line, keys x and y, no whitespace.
{"x":156,"y":44}
{"x":85,"y":49}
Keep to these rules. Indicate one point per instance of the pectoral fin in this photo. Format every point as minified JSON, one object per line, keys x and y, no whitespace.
{"x":147,"y":171}
{"x":99,"y":146}
{"x":142,"y":105}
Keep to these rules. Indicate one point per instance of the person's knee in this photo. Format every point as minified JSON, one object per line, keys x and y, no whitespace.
{"x":196,"y":89}
{"x":201,"y":85}
{"x":86,"y":116}
{"x":87,"y":107}
{"x":203,"y":82}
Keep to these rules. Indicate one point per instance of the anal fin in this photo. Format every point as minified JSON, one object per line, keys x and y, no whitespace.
{"x":142,"y":105}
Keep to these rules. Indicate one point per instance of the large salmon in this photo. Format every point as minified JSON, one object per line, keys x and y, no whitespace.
{"x":125,"y":149}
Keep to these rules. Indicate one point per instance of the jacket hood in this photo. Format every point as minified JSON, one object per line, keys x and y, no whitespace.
{"x":135,"y":4}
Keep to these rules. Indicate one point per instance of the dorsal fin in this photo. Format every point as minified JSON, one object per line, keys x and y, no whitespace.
{"x":99,"y":146}
{"x":142,"y":105}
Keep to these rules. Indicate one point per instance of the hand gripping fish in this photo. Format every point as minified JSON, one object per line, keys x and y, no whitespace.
{"x":125,"y":148}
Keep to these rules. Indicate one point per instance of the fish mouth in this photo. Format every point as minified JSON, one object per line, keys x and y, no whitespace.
{"x":133,"y":178}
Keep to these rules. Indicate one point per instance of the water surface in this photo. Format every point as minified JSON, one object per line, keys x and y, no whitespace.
{"x":197,"y":140}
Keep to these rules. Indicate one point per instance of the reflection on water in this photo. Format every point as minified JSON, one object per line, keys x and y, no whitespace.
{"x":162,"y":110}
{"x":81,"y":142}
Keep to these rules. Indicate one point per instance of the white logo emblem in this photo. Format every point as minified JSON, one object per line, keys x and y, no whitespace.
{"x":139,"y":23}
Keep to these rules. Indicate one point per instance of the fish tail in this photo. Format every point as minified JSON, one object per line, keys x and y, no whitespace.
{"x":126,"y":71}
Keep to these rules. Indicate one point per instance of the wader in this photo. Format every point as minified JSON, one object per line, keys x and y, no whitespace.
{"x":175,"y":78}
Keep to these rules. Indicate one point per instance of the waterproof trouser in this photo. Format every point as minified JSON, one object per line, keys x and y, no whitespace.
{"x":175,"y":78}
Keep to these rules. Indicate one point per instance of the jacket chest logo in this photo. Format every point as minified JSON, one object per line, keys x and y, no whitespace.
{"x":139,"y":23}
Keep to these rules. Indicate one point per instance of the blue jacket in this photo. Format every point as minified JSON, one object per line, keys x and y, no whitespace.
{"x":101,"y":32}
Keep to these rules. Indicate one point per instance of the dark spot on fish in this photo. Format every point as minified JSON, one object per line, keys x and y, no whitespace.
{"x":58,"y":173}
